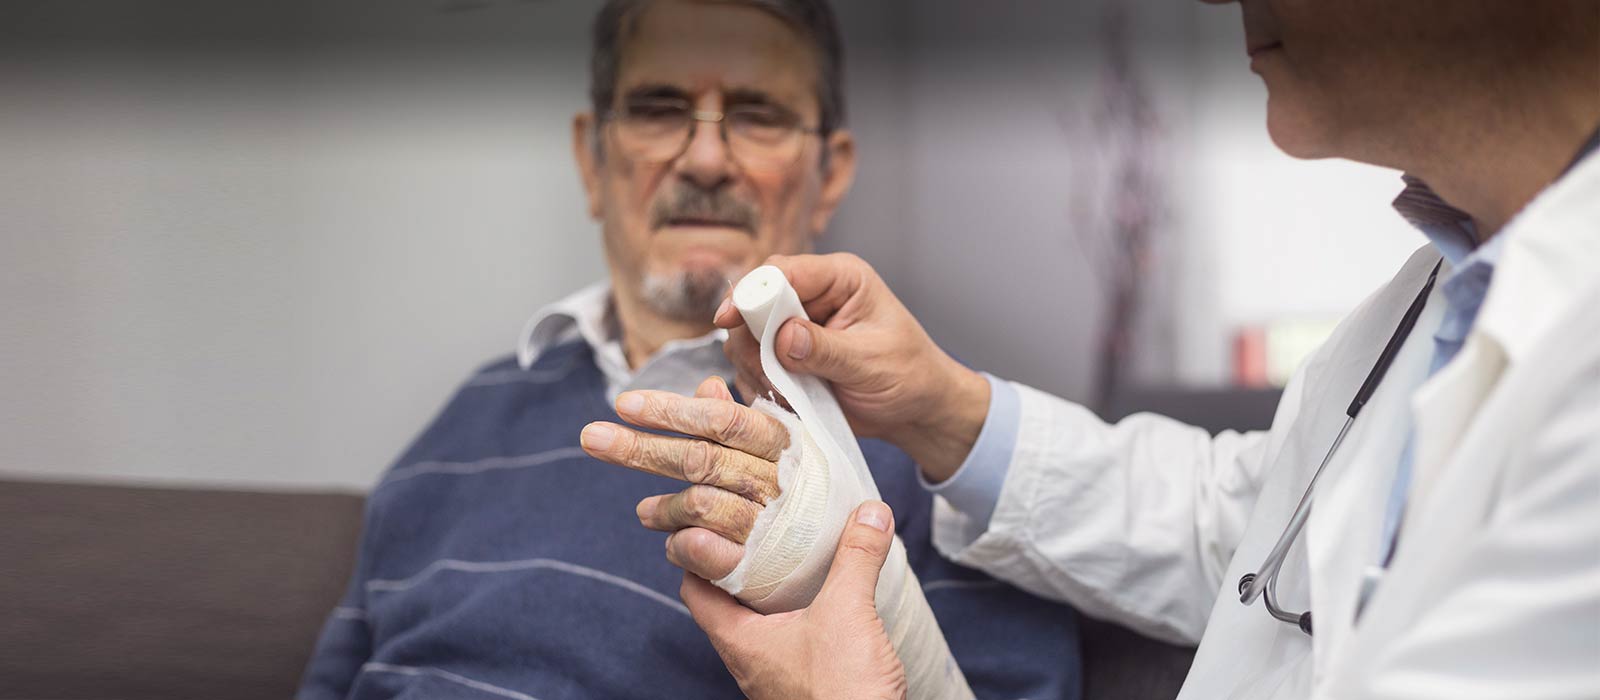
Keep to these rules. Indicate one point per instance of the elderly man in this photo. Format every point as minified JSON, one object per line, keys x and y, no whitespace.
{"x":1420,"y":521}
{"x":497,"y":558}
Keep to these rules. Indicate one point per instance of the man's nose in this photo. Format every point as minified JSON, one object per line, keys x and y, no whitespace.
{"x":706,"y":161}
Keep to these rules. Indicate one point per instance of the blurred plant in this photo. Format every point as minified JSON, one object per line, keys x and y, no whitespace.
{"x":1118,"y":198}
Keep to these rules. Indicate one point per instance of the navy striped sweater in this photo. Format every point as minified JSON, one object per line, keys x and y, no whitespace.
{"x":499,"y":561}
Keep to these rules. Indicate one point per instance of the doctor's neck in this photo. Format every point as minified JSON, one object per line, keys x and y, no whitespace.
{"x":1490,"y":150}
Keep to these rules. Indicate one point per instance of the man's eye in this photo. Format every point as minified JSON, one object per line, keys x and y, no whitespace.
{"x":761,"y":118}
{"x":656,"y":111}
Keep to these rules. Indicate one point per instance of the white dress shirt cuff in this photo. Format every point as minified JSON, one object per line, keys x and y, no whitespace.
{"x":975,"y":487}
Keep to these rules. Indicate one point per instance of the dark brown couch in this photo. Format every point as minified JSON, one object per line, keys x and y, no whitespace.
{"x":123,"y":592}
{"x":149,"y":593}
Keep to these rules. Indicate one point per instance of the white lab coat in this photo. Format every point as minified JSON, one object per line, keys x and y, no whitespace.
{"x":1495,"y":588}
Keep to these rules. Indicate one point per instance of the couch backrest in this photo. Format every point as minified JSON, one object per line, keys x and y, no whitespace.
{"x":123,"y":592}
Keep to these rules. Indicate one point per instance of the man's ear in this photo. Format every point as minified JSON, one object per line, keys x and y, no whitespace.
{"x":586,"y":150}
{"x":837,"y":176}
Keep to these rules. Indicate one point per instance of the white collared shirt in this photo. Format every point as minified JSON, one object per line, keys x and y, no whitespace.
{"x":589,"y":314}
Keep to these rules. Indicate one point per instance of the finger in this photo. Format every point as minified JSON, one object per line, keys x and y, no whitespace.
{"x":762,"y":391}
{"x":744,"y":351}
{"x":703,"y":553}
{"x":727,"y":316}
{"x":707,"y":389}
{"x":718,"y":613}
{"x":714,"y":387}
{"x":722,"y":422}
{"x":863,"y":547}
{"x":803,"y":346}
{"x":700,"y":506}
{"x":825,"y":283}
{"x":684,"y":459}
{"x":745,"y":354}
{"x":748,"y":390}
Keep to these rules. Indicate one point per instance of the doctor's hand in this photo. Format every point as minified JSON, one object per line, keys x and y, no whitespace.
{"x":836,"y":648}
{"x":890,"y":378}
{"x":729,"y":459}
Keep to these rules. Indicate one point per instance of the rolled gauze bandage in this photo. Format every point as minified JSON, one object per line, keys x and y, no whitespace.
{"x":822,"y":477}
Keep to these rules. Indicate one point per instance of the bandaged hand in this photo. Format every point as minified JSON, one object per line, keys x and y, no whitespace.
{"x":793,"y":555}
{"x":729,"y":458}
{"x":891,"y":380}
{"x":835,"y":648}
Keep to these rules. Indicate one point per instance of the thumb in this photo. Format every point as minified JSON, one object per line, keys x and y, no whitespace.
{"x":863,"y":547}
{"x":714,"y":387}
{"x":803,"y":346}
{"x":718,"y":613}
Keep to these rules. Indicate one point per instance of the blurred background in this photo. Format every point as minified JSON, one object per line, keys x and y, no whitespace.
{"x":247,"y":250}
{"x":258,"y":244}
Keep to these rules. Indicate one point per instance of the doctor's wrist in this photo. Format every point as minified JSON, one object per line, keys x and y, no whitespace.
{"x":940,"y":439}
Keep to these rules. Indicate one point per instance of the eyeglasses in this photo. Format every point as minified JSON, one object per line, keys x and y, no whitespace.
{"x":658,"y":130}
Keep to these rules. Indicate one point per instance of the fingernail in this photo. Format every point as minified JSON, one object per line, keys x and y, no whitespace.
{"x":799,"y":342}
{"x":726,"y":302}
{"x":645,"y":510}
{"x":874,"y":514}
{"x":630,"y":404}
{"x":598,"y":436}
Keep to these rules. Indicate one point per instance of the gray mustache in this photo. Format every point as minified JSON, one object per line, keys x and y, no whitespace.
{"x":690,"y":202}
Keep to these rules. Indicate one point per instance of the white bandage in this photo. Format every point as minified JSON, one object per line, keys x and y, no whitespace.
{"x":822,"y":477}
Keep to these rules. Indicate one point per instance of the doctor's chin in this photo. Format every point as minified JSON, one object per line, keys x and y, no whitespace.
{"x":800,"y":350}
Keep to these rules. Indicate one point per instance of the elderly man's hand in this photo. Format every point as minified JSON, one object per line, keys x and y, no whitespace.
{"x":835,"y":648}
{"x":730,"y":460}
{"x":890,"y":378}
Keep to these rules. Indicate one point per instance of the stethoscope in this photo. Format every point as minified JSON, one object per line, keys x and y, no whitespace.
{"x":1264,"y":582}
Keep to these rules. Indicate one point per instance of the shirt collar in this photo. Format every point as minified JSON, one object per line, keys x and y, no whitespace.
{"x":588,"y":314}
{"x":1543,"y":261}
{"x":584,"y":314}
{"x":1449,"y":229}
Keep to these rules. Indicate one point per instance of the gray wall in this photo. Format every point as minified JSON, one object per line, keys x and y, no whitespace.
{"x":261,"y":242}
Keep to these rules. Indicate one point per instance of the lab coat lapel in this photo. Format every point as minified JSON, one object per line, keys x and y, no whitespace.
{"x":1450,"y":511}
{"x":1458,"y":448}
{"x":1470,"y":415}
{"x":1548,"y":259}
{"x":1345,"y":528}
{"x":1446,"y":406}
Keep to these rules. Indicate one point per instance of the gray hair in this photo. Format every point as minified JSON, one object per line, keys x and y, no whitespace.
{"x":813,"y":18}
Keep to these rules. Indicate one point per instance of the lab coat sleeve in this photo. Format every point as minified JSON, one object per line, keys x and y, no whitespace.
{"x":1132,"y":522}
{"x":1520,"y":614}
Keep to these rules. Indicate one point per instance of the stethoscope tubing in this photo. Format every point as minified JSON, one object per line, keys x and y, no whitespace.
{"x":1268,"y":571}
{"x":1263,"y":582}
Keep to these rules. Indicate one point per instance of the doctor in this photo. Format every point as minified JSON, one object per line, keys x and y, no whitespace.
{"x":1450,"y":544}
